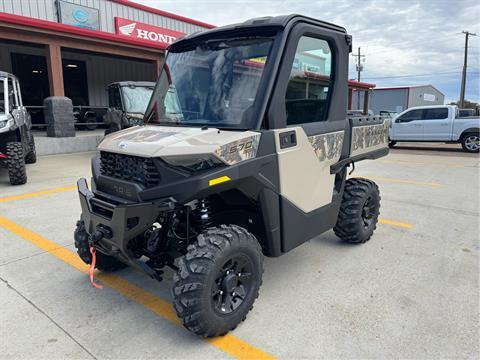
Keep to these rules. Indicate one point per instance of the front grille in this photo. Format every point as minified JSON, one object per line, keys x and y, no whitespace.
{"x":129,"y":168}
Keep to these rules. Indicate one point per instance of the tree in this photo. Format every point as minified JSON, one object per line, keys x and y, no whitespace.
{"x":467,"y":104}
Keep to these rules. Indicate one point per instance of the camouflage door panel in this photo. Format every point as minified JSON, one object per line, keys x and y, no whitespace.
{"x":327,"y":147}
{"x":369,"y":138}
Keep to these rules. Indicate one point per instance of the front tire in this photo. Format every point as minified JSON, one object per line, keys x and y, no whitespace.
{"x":16,"y":163}
{"x":104,"y":263}
{"x":471,"y":142}
{"x":358,"y":216}
{"x":218,"y":280}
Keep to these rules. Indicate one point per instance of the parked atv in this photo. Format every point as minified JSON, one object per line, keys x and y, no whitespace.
{"x":253,"y":163}
{"x":17,"y":145}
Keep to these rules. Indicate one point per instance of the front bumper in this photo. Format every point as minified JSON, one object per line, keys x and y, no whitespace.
{"x":119,"y":222}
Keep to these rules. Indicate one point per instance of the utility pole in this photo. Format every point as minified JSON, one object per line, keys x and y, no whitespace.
{"x":464,"y":72}
{"x":359,"y":57}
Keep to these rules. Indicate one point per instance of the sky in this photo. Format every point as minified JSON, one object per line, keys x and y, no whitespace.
{"x":406,"y":42}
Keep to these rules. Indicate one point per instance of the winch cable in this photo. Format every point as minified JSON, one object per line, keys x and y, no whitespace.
{"x":92,"y":267}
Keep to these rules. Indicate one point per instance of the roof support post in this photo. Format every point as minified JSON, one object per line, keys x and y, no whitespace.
{"x":55,"y":70}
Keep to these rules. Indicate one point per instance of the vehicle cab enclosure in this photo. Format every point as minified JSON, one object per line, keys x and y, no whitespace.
{"x":257,"y":136}
{"x":15,"y":122}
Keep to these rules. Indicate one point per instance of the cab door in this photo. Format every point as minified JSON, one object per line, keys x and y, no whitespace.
{"x":308,"y":117}
{"x":408,"y":126}
{"x":436,"y":124}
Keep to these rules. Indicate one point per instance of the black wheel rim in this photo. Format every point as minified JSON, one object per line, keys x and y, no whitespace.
{"x":233,"y":284}
{"x":368,"y":212}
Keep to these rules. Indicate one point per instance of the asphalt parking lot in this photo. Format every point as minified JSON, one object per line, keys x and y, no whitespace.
{"x":410,"y":292}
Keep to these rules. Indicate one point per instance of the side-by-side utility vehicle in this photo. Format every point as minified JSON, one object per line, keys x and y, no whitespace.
{"x":253,"y":163}
{"x":17,"y":146}
{"x":127,"y":102}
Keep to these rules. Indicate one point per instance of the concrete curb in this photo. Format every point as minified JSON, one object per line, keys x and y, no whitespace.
{"x":51,"y":145}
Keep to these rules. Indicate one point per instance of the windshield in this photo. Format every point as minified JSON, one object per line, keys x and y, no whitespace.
{"x":213,"y":84}
{"x":136,"y":98}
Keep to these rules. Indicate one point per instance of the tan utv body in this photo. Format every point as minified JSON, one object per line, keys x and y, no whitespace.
{"x":244,"y":154}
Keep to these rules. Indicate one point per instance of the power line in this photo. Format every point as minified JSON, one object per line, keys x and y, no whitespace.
{"x":418,"y":75}
{"x":403,"y":44}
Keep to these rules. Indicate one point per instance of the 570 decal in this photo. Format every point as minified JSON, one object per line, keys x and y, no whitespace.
{"x":239,"y":150}
{"x":241,"y":147}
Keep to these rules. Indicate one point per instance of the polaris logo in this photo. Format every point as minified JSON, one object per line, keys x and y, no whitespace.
{"x":122,"y":145}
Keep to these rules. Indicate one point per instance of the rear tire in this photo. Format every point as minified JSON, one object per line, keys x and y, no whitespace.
{"x":471,"y":142}
{"x":16,"y":163}
{"x":218,"y":280}
{"x":104,"y":262}
{"x":358,"y":215}
{"x":31,"y":157}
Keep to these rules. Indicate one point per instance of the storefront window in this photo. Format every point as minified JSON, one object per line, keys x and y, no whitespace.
{"x":215,"y":84}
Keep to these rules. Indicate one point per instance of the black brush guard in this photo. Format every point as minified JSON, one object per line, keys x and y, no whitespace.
{"x":119,"y":224}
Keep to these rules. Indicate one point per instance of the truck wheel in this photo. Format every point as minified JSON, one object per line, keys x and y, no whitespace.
{"x":218,"y":280}
{"x":359,"y":211}
{"x":471,"y":142}
{"x":16,"y":163}
{"x":104,"y":262}
{"x":31,"y":157}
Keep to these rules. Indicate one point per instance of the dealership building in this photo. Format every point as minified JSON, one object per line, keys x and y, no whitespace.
{"x":75,"y":48}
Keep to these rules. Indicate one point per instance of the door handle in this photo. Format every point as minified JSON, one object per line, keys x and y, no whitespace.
{"x":417,"y":124}
{"x":288,"y":139}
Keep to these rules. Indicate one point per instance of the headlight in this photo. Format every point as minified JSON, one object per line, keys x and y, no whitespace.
{"x":3,"y":123}
{"x":193,"y":163}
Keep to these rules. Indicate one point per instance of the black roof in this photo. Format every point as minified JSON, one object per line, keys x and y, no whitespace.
{"x":268,"y":22}
{"x":4,"y":74}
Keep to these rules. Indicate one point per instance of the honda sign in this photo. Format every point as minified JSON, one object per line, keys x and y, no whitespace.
{"x":138,"y":30}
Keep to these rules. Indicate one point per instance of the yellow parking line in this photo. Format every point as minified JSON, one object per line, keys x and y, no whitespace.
{"x":230,"y":344}
{"x":37,"y":193}
{"x":394,"y":223}
{"x":403,"y":181}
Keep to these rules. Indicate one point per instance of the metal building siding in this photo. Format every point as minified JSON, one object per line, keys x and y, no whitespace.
{"x":416,"y":97}
{"x":391,"y":99}
{"x":47,"y":10}
{"x":102,"y":71}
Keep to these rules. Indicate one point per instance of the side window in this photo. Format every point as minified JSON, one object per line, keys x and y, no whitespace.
{"x":12,"y":100}
{"x":307,"y":98}
{"x":114,"y":98}
{"x":435,"y":114}
{"x":410,"y":116}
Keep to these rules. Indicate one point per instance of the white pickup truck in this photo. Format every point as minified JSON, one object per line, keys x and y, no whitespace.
{"x":438,"y":123}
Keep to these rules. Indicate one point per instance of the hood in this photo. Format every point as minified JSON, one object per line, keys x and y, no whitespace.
{"x":157,"y":140}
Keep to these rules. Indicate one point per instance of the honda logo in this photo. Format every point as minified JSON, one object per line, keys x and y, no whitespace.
{"x":146,"y":32}
{"x":127,"y":29}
